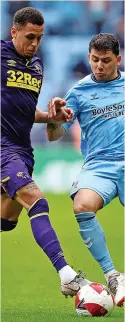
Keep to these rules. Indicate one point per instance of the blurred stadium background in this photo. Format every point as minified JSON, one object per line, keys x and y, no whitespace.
{"x":69,"y":26}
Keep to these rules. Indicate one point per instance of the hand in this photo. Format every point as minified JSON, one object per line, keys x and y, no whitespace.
{"x":57,"y":112}
{"x":62,"y":115}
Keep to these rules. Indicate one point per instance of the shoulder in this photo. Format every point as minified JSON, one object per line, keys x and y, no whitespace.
{"x":3,"y":44}
{"x":6,"y":43}
{"x":82,"y":83}
{"x":78,"y":87}
{"x":122,"y":74}
{"x":6,"y":48}
{"x":86,"y":80}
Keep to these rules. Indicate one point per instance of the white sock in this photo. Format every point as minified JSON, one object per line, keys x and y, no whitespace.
{"x":109,"y":274}
{"x":67,"y":274}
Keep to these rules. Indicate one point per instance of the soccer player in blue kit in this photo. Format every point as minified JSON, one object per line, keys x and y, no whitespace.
{"x":98,"y":104}
{"x":21,"y":76}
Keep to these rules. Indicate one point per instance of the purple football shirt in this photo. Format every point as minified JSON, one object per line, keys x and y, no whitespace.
{"x":21,"y":81}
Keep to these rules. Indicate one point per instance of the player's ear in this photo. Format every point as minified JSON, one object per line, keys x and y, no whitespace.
{"x":119,"y":60}
{"x":13,"y":32}
{"x":89,"y":58}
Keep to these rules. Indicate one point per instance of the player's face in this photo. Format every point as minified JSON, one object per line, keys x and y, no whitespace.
{"x":27,"y":39}
{"x":104,"y":64}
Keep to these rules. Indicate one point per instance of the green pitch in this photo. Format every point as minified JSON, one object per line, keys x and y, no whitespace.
{"x":30,"y":285}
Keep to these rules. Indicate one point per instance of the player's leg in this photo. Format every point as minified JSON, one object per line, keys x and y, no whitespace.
{"x":10,"y":211}
{"x":34,"y":201}
{"x":19,"y":185}
{"x":121,"y":183}
{"x":117,"y":280}
{"x":90,"y":193}
{"x":86,"y":203}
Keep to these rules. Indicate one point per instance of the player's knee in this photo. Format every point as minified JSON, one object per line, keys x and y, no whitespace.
{"x":40,"y":206}
{"x":7,"y":225}
{"x":28,"y":195}
{"x":86,"y":204}
{"x":83,"y":207}
{"x":87,"y":201}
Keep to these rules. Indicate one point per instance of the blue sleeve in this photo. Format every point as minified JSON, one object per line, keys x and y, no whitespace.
{"x":71,"y":102}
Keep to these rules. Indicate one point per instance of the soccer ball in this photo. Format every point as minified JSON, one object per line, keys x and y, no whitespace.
{"x":94,"y":299}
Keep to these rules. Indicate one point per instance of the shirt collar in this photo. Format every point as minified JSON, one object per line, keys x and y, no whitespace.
{"x":95,"y":80}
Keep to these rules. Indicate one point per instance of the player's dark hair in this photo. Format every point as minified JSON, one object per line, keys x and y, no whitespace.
{"x":28,"y":15}
{"x":104,"y":42}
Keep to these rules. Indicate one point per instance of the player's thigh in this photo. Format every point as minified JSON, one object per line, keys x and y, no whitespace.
{"x":87,"y":200}
{"x":10,"y":209}
{"x":96,"y":190}
{"x":121,"y":184}
{"x":17,"y":182}
{"x":28,"y":195}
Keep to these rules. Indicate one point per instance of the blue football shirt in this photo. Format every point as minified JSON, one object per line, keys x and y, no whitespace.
{"x":99,"y":108}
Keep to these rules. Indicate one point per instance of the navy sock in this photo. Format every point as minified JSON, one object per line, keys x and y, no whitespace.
{"x":45,"y":235}
{"x":7,"y":225}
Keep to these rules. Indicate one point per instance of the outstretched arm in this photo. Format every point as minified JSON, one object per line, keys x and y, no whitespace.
{"x":56,"y":115}
{"x":57,"y":112}
{"x":54,"y":129}
{"x":41,"y":117}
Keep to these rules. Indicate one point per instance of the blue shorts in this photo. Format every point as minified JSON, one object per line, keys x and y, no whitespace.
{"x":15,"y":173}
{"x":104,"y":177}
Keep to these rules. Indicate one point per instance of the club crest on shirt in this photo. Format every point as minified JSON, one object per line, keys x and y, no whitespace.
{"x":38,"y":68}
{"x":75,"y":184}
{"x":94,"y":96}
{"x":11,"y":62}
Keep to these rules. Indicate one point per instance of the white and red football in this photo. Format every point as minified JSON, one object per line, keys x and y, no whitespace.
{"x":94,"y":299}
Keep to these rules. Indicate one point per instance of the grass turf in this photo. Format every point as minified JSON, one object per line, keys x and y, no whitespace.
{"x":30,"y":285}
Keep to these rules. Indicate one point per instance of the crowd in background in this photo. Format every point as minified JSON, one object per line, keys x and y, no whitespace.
{"x":69,"y":26}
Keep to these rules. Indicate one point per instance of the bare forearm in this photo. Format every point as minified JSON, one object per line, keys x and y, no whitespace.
{"x":54,"y":131}
{"x":41,"y":117}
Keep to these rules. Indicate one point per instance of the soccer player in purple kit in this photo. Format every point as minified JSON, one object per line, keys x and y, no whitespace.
{"x":21,"y":75}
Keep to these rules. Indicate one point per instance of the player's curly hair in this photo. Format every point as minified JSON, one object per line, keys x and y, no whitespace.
{"x":28,"y":15}
{"x":104,"y":42}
